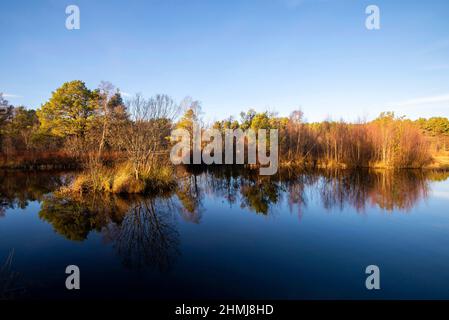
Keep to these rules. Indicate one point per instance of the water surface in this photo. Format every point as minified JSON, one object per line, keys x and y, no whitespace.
{"x":226,"y":234}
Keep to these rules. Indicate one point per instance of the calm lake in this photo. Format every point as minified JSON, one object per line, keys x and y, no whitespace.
{"x":224,"y":234}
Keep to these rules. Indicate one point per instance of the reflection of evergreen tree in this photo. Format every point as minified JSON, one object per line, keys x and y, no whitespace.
{"x":75,"y":218}
{"x":259,"y":195}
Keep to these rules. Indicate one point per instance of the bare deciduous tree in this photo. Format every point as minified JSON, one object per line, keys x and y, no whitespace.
{"x":145,"y":136}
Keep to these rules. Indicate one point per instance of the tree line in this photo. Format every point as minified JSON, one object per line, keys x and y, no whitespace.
{"x":386,"y":142}
{"x":96,"y":129}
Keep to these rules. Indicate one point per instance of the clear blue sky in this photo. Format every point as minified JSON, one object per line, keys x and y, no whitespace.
{"x":232,"y":55}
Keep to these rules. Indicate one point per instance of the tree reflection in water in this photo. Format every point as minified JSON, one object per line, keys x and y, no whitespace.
{"x":18,"y":188}
{"x":147,"y":235}
{"x":191,"y":196}
{"x":143,"y":229}
{"x":388,"y":190}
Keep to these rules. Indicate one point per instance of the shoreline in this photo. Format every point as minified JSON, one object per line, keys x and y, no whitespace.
{"x":436,"y":165}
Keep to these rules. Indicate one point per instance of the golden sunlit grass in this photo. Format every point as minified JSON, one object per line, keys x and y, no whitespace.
{"x":121,"y":180}
{"x":440,"y":160}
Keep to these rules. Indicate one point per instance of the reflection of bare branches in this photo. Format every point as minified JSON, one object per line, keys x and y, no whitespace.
{"x":147,"y":236}
{"x":8,"y":279}
{"x":297,"y":197}
{"x":225,"y":186}
{"x":399,"y":190}
{"x":332,"y":191}
{"x":191,"y":196}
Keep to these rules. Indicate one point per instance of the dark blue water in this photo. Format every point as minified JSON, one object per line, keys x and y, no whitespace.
{"x":228,"y":235}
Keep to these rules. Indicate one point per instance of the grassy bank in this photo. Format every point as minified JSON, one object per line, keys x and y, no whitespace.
{"x":440,"y":161}
{"x":121,"y":179}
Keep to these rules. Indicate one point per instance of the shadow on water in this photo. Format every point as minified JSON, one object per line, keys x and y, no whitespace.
{"x":143,"y":229}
